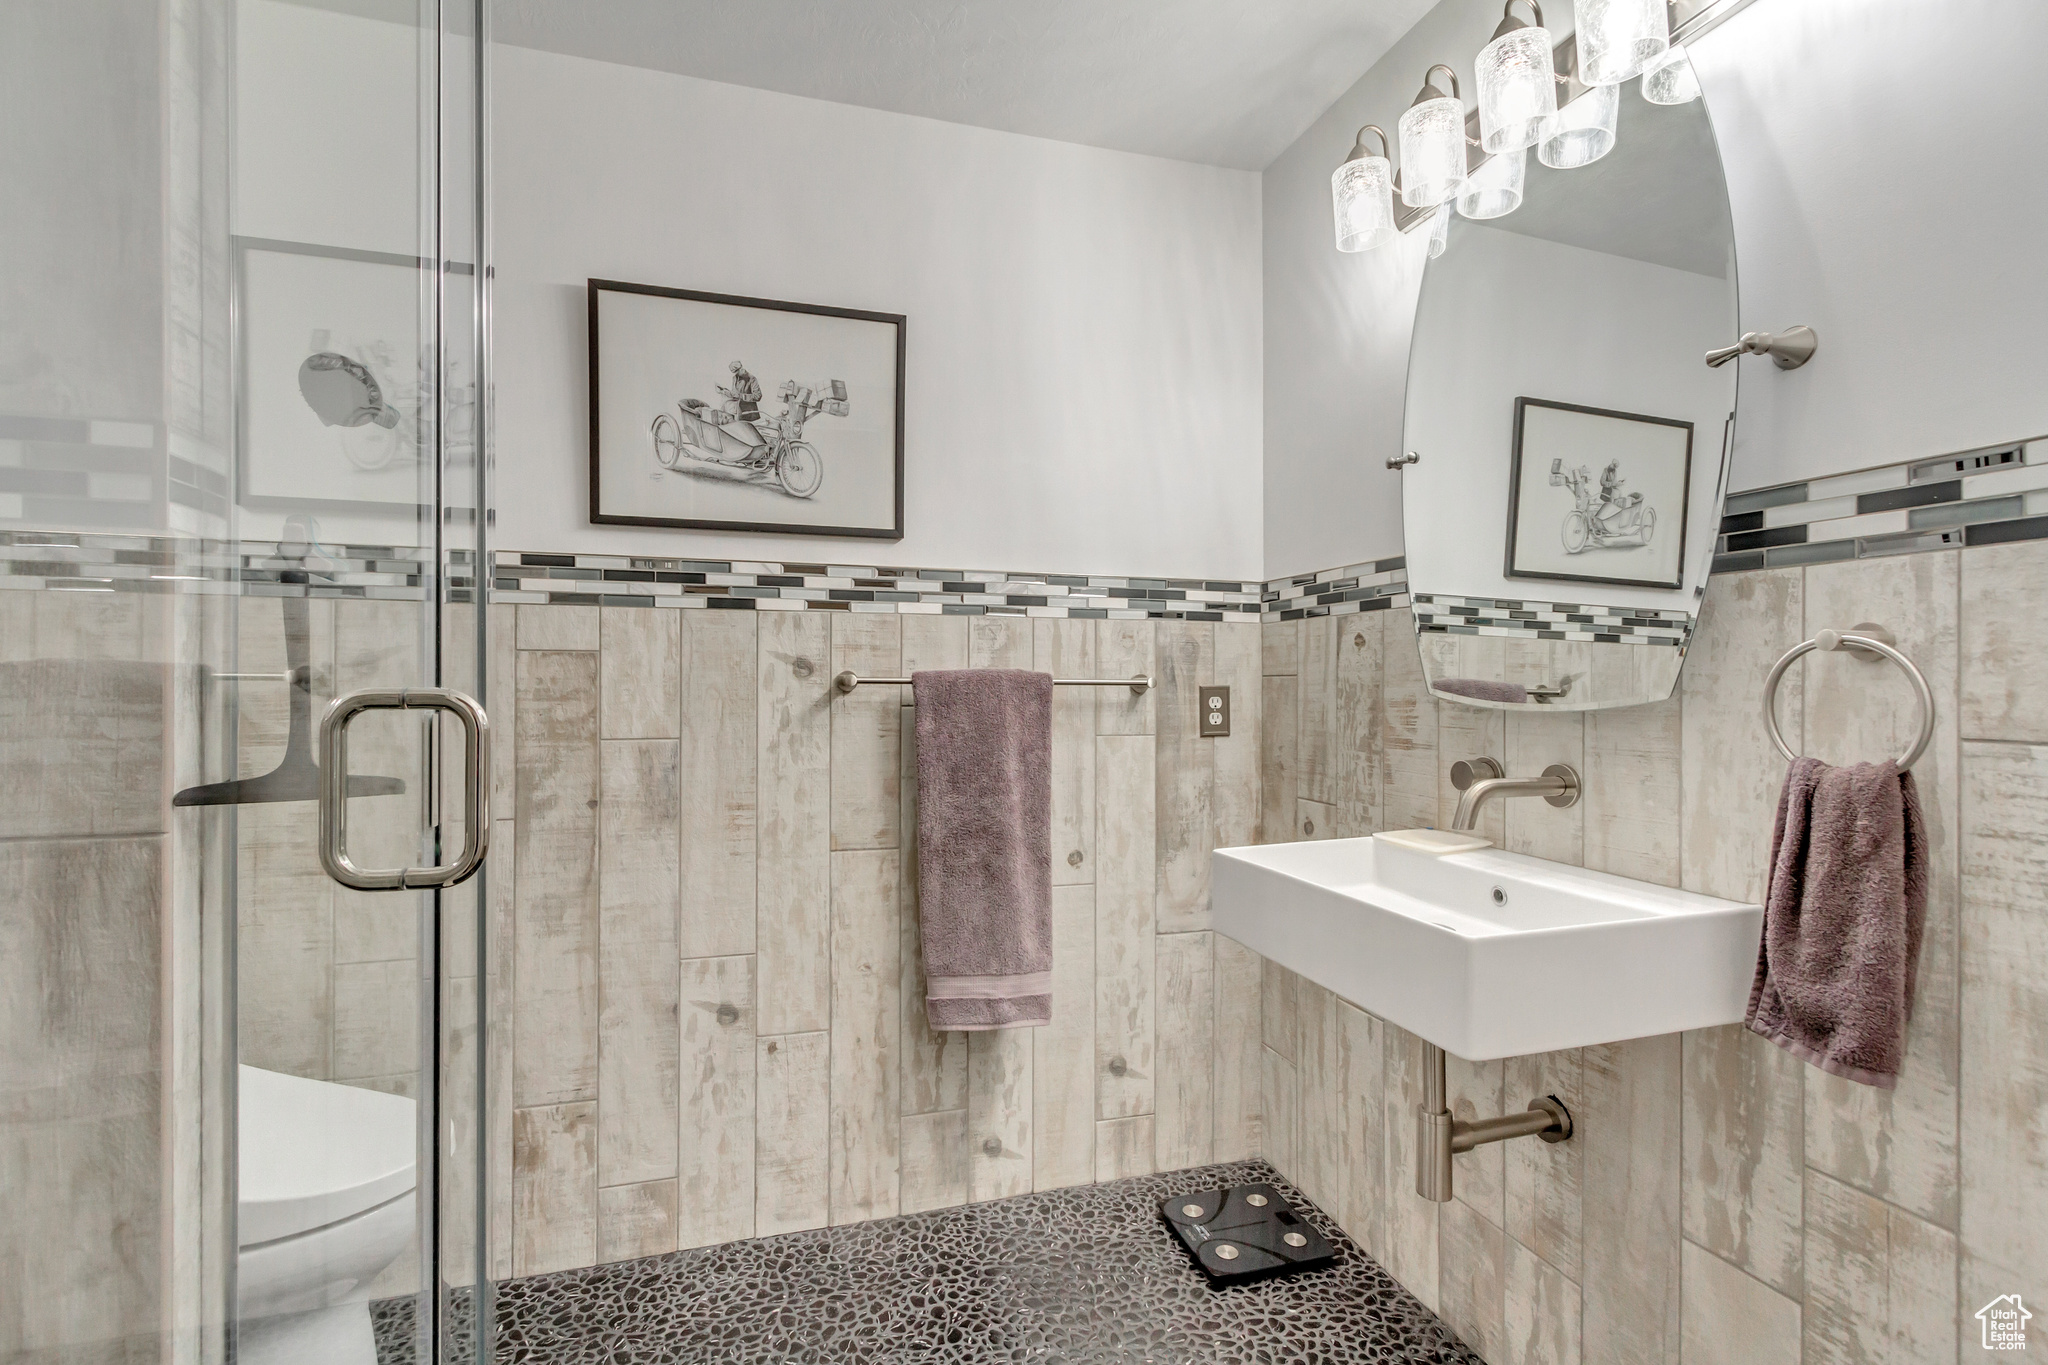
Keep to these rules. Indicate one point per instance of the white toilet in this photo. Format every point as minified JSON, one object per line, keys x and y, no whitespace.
{"x":326,"y":1205}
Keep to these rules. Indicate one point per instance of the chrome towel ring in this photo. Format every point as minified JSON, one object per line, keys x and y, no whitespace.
{"x":1871,"y":647}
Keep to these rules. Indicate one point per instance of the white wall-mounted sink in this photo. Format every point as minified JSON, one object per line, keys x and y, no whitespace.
{"x":1490,"y":954}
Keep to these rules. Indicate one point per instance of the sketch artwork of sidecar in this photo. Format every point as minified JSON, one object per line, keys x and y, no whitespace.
{"x":1604,"y":518}
{"x":758,"y":450}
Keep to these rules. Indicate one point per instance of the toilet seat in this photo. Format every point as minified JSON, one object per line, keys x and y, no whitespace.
{"x":314,"y":1153}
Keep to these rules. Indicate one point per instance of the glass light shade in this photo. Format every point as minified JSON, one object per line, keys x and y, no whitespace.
{"x":1363,"y":192}
{"x":1432,"y":151}
{"x":1439,"y":230}
{"x":1517,"y":90}
{"x":1495,"y":189}
{"x":1585,"y":130}
{"x":1670,"y":79}
{"x":1618,"y":38}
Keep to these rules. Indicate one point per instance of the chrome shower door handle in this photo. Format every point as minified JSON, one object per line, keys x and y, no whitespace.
{"x":476,"y":781}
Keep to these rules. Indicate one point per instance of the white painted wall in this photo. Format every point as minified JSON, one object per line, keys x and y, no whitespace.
{"x":1084,"y":331}
{"x":1880,"y":159}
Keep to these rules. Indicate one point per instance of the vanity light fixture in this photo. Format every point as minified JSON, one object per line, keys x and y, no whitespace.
{"x":1362,"y":192}
{"x":1585,"y":130}
{"x":1670,"y":79}
{"x":1618,"y":39}
{"x":1495,"y":189}
{"x":1517,"y":83}
{"x":1432,"y":133}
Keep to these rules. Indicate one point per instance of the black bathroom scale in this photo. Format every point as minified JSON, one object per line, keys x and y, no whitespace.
{"x":1244,"y":1233}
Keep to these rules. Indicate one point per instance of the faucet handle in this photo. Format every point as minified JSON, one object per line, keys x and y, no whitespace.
{"x":1466,"y":771}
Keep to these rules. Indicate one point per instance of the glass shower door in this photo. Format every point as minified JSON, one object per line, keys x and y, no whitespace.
{"x":243,"y":429}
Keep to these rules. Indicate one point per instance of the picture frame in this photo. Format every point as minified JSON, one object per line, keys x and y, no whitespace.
{"x":332,"y":410}
{"x":1566,"y":523}
{"x":723,"y":412}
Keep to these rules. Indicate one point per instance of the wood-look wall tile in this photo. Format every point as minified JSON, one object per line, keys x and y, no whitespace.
{"x":1063,"y":1053}
{"x":792,"y":1133}
{"x":999,"y":1112}
{"x":1124,"y":1147}
{"x":2004,"y":1138}
{"x":1631,"y":1202}
{"x":1540,"y":1319}
{"x":1185,"y":1089}
{"x":1280,"y":1099}
{"x":1000,"y":642}
{"x":2004,"y":665}
{"x":935,"y":1160}
{"x":1534,"y":742}
{"x":553,"y":627}
{"x":1409,"y":786}
{"x":933,"y":642}
{"x":500,"y":1001}
{"x":1185,"y":776}
{"x":1362,"y":1113}
{"x":1239,"y":973}
{"x":715,"y":1196}
{"x":1409,"y":1239}
{"x":1897,"y":1144}
{"x":83,"y":747}
{"x":1479,"y":1177}
{"x":1472,"y":1281}
{"x":867,"y":1022}
{"x":934,"y":1062}
{"x":718,"y":761}
{"x":1744,"y":1151}
{"x":374,"y":926}
{"x":284,"y":994}
{"x":1544,"y":1179}
{"x":793,"y":967}
{"x":639,"y":851}
{"x":376,"y":1019}
{"x":554,"y":1188}
{"x":1633,"y":792}
{"x":1746,"y":622}
{"x":1314,"y":820}
{"x":1279,"y":765}
{"x":642,"y":668}
{"x":1732,"y":1319}
{"x":639,"y":1062}
{"x":1066,"y":649}
{"x":867,"y":738}
{"x":636,"y":1220}
{"x":555,"y":973}
{"x":1236,"y":801}
{"x":500,"y":698}
{"x":1279,"y":1008}
{"x":1361,"y":723}
{"x":1880,"y":1283}
{"x":1125,"y":886}
{"x":1317,"y":752}
{"x":1319,"y":1110}
{"x":1280,"y":648}
{"x":1125,"y":649}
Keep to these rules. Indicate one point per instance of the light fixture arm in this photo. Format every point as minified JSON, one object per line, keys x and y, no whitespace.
{"x":1509,"y":23}
{"x":1429,"y":89}
{"x":1358,"y":149}
{"x":1788,"y":349}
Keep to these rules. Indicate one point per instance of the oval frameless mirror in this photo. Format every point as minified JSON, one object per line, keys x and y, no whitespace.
{"x":1573,"y":444}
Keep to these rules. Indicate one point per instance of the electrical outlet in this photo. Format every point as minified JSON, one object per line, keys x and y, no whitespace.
{"x":1215,"y":721}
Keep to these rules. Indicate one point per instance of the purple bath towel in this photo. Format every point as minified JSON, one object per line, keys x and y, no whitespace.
{"x":984,"y":846}
{"x":1482,"y":689}
{"x":1842,"y":922}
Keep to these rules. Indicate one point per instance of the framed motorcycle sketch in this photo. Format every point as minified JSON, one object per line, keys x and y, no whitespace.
{"x":1596,"y":496}
{"x":717,"y":412}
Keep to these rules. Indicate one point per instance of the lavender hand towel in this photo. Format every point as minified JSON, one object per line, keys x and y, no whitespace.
{"x":1842,"y":922}
{"x":1483,"y":689}
{"x":984,"y":846}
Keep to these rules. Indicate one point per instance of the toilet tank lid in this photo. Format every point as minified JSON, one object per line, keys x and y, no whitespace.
{"x":314,"y":1152}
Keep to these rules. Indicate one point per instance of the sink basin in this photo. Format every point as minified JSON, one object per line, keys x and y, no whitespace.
{"x":1486,"y":953}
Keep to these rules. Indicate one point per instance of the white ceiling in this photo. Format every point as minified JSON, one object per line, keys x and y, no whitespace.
{"x":1223,"y":82}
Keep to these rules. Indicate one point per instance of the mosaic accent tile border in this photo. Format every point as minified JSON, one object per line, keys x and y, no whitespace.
{"x":1979,"y":497}
{"x":633,"y":581}
{"x":1550,"y":620}
{"x":33,"y":560}
{"x":1379,"y":585}
{"x":1088,"y":1273}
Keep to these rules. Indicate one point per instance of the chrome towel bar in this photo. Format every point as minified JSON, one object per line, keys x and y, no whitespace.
{"x":1870,"y":642}
{"x":1139,"y":683}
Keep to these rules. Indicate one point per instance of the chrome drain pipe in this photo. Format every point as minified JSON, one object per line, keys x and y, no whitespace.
{"x":1438,"y":1135}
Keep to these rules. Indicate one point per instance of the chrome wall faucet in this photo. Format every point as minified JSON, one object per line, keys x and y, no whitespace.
{"x":1483,"y":778}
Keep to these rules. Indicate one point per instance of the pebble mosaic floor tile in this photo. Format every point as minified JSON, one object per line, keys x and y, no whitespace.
{"x":1066,"y":1277}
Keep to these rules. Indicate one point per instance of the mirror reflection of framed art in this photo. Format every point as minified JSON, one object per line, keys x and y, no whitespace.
{"x":1597,"y":496}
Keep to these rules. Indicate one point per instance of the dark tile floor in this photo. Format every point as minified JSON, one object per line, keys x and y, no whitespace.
{"x":1068,"y":1277}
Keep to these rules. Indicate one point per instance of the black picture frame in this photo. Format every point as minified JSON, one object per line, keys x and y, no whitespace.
{"x":1522,"y":405}
{"x":599,"y":516}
